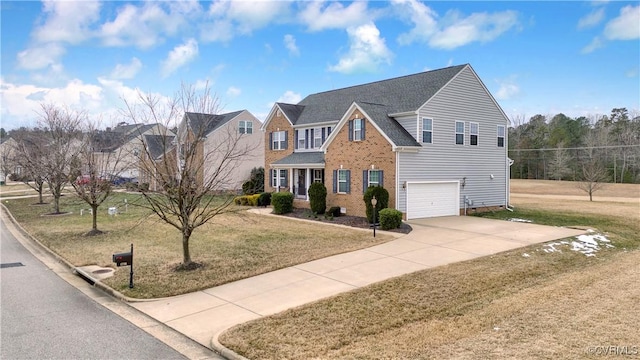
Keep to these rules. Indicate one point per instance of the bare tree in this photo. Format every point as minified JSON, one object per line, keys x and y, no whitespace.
{"x":28,"y":153}
{"x":63,"y":143}
{"x":99,"y":167}
{"x":559,"y":164}
{"x":187,"y":172}
{"x":594,"y":176}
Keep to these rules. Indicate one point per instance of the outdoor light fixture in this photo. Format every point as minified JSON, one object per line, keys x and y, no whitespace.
{"x":374,"y":202}
{"x":464,"y":182}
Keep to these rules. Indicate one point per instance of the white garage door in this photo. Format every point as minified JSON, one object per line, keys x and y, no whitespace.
{"x":432,"y":199}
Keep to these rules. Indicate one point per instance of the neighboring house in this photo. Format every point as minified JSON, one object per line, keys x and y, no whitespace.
{"x":437,"y":141}
{"x":159,"y":155}
{"x":7,"y":165}
{"x":123,"y":147}
{"x":232,"y":136}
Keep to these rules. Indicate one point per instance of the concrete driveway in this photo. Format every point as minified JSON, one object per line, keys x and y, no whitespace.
{"x":205,"y":314}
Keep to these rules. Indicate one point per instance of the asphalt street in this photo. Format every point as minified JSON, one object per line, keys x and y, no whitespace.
{"x":43,"y":317}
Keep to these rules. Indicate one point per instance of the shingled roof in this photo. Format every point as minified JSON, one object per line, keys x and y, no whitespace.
{"x":206,"y":123}
{"x":378,"y":99}
{"x":158,"y":145}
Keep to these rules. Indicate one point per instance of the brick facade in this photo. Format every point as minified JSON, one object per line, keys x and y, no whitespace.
{"x":357,"y":156}
{"x":278,"y":123}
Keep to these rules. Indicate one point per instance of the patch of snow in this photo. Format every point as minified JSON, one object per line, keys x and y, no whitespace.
{"x":526,"y":255}
{"x":588,"y":245}
{"x":496,"y":328}
{"x":519,"y":220}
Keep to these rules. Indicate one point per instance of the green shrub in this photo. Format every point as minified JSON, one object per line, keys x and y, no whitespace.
{"x":334,"y":211}
{"x":255,"y":184}
{"x":381,"y":194}
{"x":318,"y":197}
{"x":390,"y":219}
{"x":237,"y":200}
{"x":264,"y":199}
{"x":282,"y":202}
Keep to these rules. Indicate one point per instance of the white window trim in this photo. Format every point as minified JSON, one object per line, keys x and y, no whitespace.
{"x":317,"y":135}
{"x":301,"y":139}
{"x":342,"y":181}
{"x":357,"y":130}
{"x":277,"y":143}
{"x":477,"y":134}
{"x":455,"y":139}
{"x":369,"y":183}
{"x":317,"y":178}
{"x":422,"y":130}
{"x":504,"y":132}
{"x":277,"y":178}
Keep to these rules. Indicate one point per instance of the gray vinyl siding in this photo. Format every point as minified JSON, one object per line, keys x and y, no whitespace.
{"x":463,"y":99}
{"x":409,"y":123}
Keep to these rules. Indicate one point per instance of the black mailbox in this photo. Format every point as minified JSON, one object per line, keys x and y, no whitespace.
{"x":121,"y":258}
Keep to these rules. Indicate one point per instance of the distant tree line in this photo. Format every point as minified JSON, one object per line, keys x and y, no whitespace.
{"x":605,"y":148}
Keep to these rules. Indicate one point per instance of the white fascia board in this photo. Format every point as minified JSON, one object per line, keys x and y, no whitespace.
{"x":314,"y":125}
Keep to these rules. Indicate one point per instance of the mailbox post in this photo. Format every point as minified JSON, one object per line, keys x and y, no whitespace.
{"x":127,"y":259}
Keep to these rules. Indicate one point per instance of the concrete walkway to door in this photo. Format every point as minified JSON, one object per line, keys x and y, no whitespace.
{"x":205,"y":314}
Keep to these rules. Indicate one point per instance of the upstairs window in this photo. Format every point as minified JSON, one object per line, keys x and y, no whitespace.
{"x":501,"y":131}
{"x":473,"y":133}
{"x":317,"y":138}
{"x":278,"y":140}
{"x":427,"y":130}
{"x":301,"y":139}
{"x":356,"y":130}
{"x":459,"y":132}
{"x":245,"y":127}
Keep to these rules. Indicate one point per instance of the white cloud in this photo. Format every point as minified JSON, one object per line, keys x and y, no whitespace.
{"x":595,"y":44}
{"x":143,"y":26}
{"x":592,"y":19}
{"x":508,"y":89}
{"x":41,"y":56}
{"x":233,"y":91}
{"x":631,"y":73}
{"x":289,"y":97}
{"x":67,"y":21}
{"x":179,"y":57}
{"x":228,"y":18}
{"x":454,"y":30}
{"x":21,"y":103}
{"x":366,"y":51}
{"x":335,"y":15}
{"x":626,"y":26}
{"x":127,"y":71}
{"x":290,"y":44}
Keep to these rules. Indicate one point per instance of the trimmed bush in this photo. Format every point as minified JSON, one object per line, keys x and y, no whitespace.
{"x":282,"y":202}
{"x":334,"y":211}
{"x":381,"y":194}
{"x":318,"y":197}
{"x":253,"y":199}
{"x":264,"y":199}
{"x":390,"y":219}
{"x":246,"y":200}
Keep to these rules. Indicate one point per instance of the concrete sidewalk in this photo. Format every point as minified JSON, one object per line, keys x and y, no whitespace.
{"x":205,"y":314}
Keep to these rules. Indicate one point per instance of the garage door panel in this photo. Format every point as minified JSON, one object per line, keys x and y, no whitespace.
{"x":432,"y":199}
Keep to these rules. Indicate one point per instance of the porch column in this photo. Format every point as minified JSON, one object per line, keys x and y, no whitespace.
{"x":307,"y":181}
{"x":291,"y":172}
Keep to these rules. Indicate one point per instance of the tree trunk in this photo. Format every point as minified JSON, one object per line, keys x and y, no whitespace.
{"x":40,"y":199}
{"x":186,"y":256}
{"x":94,"y":216}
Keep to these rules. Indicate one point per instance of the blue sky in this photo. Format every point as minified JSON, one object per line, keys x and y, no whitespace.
{"x":542,"y":57}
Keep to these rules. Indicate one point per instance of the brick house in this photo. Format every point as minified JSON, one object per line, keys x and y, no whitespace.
{"x":435,"y":140}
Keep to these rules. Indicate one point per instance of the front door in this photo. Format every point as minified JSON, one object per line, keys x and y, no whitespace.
{"x":302,"y":182}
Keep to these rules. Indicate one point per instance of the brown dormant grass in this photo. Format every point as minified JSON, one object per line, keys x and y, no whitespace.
{"x":231,"y":247}
{"x":549,"y":305}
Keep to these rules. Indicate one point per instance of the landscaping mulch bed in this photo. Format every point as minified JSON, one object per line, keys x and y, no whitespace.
{"x":354,"y":221}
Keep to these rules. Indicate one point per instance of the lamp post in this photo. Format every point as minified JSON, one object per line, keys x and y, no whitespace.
{"x":374,"y":202}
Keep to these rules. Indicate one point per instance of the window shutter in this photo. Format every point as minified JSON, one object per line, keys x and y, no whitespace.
{"x":295,"y":140}
{"x":381,"y":178}
{"x":335,"y":181}
{"x":271,"y":141}
{"x":306,"y":139}
{"x":348,"y":181}
{"x":328,"y":131}
{"x":350,"y":130}
{"x":365,"y":180}
{"x":271,"y":177}
{"x":312,"y":138}
{"x":286,"y":139}
{"x":363,"y":122}
{"x":419,"y":133}
{"x":323,"y":135}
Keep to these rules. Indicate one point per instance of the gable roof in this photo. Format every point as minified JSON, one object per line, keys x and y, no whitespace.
{"x":204,"y":124}
{"x":401,"y":94}
{"x":158,"y":145}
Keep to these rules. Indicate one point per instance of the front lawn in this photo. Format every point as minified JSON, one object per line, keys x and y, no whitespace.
{"x":527,"y":303}
{"x":231,"y":247}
